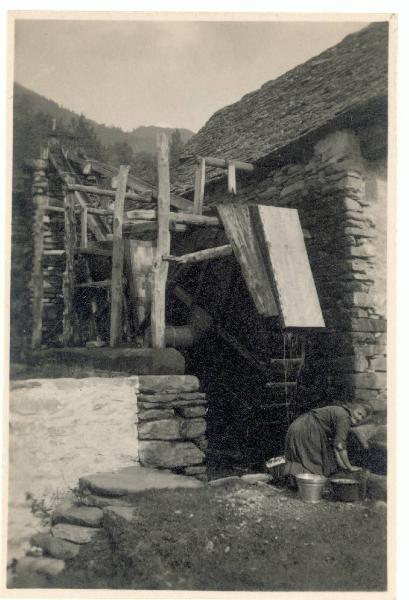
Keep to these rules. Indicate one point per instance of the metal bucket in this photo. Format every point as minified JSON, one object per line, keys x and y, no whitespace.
{"x":310,"y":486}
{"x":345,"y":490}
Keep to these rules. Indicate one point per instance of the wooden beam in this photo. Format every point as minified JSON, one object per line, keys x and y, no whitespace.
{"x":56,"y":209}
{"x":37,"y":283}
{"x":200,"y":176}
{"x":135,"y":184}
{"x":68,"y":275}
{"x":208,"y":254}
{"x":223,"y":163}
{"x":92,"y":189}
{"x":95,"y":284}
{"x":160,"y":268}
{"x":231,"y":177}
{"x":98,"y":251}
{"x":174,"y":217}
{"x":84,"y":226}
{"x":115,"y":336}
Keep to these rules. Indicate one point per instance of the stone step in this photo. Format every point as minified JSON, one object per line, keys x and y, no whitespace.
{"x":133,"y":480}
{"x":86,"y":516}
{"x":103,"y":501}
{"x":54,"y":546}
{"x":74,"y":533}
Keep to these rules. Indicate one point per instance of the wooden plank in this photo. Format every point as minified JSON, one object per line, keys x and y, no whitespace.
{"x":208,"y":254}
{"x":174,"y":217}
{"x":200,"y":178}
{"x":84,"y":226}
{"x":56,"y":209}
{"x":160,"y":270}
{"x":115,"y":336}
{"x":239,"y":230}
{"x":231,"y":177}
{"x":68,"y":275}
{"x":139,"y":260}
{"x":223,"y":163}
{"x":37,"y":283}
{"x":282,"y":244}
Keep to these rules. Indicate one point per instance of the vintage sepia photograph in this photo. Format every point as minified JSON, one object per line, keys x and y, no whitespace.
{"x":200,"y":211}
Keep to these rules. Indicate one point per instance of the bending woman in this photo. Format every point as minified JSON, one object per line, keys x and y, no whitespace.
{"x":316,"y":441}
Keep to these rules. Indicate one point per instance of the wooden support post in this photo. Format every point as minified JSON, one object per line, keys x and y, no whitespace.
{"x":115,"y":336}
{"x":68,"y":275}
{"x":231,"y":177}
{"x":160,"y":269}
{"x":37,"y":283}
{"x":84,"y":227}
{"x":200,"y":176}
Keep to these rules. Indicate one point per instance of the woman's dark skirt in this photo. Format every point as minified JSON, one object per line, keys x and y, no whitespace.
{"x":307,"y":448}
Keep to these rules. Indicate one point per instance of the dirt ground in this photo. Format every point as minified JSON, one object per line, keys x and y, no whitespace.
{"x":235,"y":537}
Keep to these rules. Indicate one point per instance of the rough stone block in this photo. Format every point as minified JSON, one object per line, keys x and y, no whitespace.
{"x":196,"y":470}
{"x":369,"y":380}
{"x":189,"y":412}
{"x":55,"y":547}
{"x":168,"y":384}
{"x":257,"y":477}
{"x":154,"y":414}
{"x":202,"y":443}
{"x":44,"y":566}
{"x":378,"y":363}
{"x":74,"y":533}
{"x":192,"y":428}
{"x":370,"y":325}
{"x":66,"y":512}
{"x":376,"y":486}
{"x":351,"y":204}
{"x":166,"y":429}
{"x":169,"y":454}
{"x":356,"y":231}
{"x":112,"y":513}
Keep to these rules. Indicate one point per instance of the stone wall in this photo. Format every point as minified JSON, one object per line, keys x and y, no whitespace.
{"x":341,"y":199}
{"x":172,"y":424}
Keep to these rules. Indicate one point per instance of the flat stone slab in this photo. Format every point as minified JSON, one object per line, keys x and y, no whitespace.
{"x":103,"y":501}
{"x":74,"y":533}
{"x":168,"y":384}
{"x":122,"y":512}
{"x":133,"y":361}
{"x":224,"y":481}
{"x":132,"y":480}
{"x":86,"y":516}
{"x":54,"y":546}
{"x":257,"y":477}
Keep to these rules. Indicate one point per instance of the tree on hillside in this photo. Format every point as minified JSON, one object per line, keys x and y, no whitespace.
{"x":175,"y":151}
{"x":87,"y":140}
{"x":120,"y":153}
{"x":144,"y":166}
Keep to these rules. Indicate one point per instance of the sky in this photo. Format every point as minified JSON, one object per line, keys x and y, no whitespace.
{"x":132,"y":73}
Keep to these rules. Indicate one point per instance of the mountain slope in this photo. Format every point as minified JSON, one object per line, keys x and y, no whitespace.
{"x":141,"y":139}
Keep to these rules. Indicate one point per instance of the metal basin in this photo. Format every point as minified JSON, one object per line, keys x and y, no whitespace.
{"x":310,"y":486}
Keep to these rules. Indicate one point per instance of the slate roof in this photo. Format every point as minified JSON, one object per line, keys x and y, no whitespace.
{"x":349,"y":78}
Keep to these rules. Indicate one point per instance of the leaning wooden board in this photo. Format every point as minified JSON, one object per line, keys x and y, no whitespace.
{"x":281,"y":240}
{"x":240,"y":233}
{"x":268,"y":243}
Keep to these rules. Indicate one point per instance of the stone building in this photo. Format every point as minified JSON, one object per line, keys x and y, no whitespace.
{"x":317,"y":136}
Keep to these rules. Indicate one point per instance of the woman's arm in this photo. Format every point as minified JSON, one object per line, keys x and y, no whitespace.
{"x":342,"y":458}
